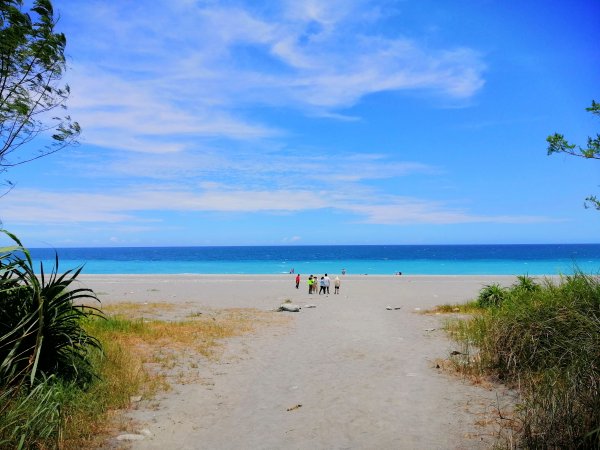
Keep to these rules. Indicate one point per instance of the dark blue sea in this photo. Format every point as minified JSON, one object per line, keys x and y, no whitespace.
{"x":355,"y":259}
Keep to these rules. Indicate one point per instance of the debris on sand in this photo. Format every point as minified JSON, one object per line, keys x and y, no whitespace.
{"x":289,"y":307}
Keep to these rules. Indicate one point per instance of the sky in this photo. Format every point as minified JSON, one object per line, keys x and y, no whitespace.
{"x":301,"y":122}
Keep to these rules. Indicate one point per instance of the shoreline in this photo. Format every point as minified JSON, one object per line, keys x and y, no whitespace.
{"x":293,"y":275}
{"x":269,"y":291}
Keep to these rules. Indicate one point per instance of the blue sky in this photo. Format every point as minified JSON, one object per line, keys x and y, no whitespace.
{"x":318,"y":122}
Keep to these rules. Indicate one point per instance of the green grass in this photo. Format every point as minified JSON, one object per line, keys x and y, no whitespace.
{"x":61,"y":414}
{"x":64,"y":367}
{"x":66,"y":415}
{"x":29,"y":417}
{"x":459,"y":308}
{"x":544,"y":339}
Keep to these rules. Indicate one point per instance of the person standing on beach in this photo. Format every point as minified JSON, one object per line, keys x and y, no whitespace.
{"x":310,"y":282}
{"x":322,"y":285}
{"x":327,"y":282}
{"x":336,"y":285}
{"x":297,"y":281}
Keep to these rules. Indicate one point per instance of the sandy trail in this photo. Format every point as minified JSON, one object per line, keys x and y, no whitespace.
{"x":365,"y":376}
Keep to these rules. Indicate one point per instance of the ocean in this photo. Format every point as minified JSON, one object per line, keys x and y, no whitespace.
{"x":354,"y":259}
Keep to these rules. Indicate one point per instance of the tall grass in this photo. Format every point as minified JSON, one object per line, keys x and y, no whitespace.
{"x":545,"y":339}
{"x":63,"y":414}
{"x":86,"y":414}
{"x":66,"y":415}
{"x":29,"y":417}
{"x":45,"y":352}
{"x":64,"y":366}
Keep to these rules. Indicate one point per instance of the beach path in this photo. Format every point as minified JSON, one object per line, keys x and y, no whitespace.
{"x":348,"y":374}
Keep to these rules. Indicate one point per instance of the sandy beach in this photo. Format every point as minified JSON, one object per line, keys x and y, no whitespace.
{"x":365,"y":376}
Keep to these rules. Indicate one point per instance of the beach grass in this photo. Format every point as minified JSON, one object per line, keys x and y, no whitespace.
{"x":200,"y":332}
{"x":543,"y":339}
{"x":136,"y":362}
{"x":460,"y":308}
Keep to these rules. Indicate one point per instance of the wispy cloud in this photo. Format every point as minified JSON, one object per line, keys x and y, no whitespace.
{"x":121,"y":114}
{"x":410,"y":211}
{"x":31,"y":206}
{"x":175,"y":93}
{"x":182,"y":70}
{"x":274,"y":167}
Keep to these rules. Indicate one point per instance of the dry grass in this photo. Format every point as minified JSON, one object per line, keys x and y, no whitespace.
{"x":200,"y":332}
{"x":460,"y":365}
{"x":143,"y":356}
{"x":456,"y":308}
{"x":138,"y":310}
{"x":123,"y":375}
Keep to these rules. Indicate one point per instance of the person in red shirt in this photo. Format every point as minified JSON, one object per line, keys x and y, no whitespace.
{"x":297,"y":281}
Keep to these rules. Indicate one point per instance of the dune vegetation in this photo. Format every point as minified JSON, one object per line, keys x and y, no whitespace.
{"x":543,"y":339}
{"x":67,"y":369}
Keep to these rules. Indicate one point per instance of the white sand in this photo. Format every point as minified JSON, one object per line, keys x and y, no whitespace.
{"x":365,"y":376}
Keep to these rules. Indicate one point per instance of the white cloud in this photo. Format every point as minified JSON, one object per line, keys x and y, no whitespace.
{"x":182,"y":70}
{"x":118,"y":114}
{"x":30,"y":206}
{"x":271,"y":166}
{"x":157,"y":82}
{"x":406,"y":211}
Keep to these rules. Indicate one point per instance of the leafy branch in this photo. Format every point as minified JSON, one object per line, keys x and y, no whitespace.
{"x":558,"y":144}
{"x":32,"y":63}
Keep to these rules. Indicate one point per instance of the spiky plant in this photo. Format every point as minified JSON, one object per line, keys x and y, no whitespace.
{"x":40,"y":321}
{"x":526,"y":283}
{"x":491,"y":295}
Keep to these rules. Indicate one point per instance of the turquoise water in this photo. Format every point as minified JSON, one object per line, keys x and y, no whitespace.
{"x":374,"y":260}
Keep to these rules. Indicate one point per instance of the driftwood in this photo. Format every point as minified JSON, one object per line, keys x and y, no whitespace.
{"x":289,"y":307}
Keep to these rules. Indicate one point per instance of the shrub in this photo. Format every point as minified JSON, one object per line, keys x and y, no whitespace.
{"x":491,"y":295}
{"x":40,"y":329}
{"x":546,"y":341}
{"x":526,"y":283}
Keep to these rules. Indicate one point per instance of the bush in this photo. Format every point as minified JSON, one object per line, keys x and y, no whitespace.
{"x":526,"y":283}
{"x":62,"y":414}
{"x":40,"y":321}
{"x":546,"y":340}
{"x":491,"y":295}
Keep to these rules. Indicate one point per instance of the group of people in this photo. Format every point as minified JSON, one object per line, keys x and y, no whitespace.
{"x":323,"y":284}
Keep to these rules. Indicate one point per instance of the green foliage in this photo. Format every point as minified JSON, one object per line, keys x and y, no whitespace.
{"x":63,"y":414}
{"x":40,"y":321}
{"x":526,"y":283}
{"x":546,"y":340}
{"x":463,"y":308}
{"x":558,"y":144}
{"x":32,"y":64}
{"x":29,"y":418}
{"x":491,"y":295}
